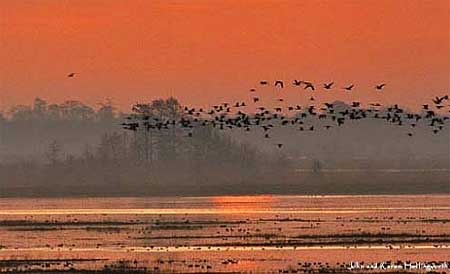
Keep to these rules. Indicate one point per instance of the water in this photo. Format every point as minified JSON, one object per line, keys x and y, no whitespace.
{"x":263,"y":234}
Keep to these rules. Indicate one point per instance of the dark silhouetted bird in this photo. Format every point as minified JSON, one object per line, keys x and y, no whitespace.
{"x":349,"y":87}
{"x":71,"y":75}
{"x":439,"y":100}
{"x":297,"y":82}
{"x":279,"y":83}
{"x":328,"y":86}
{"x":309,"y":85}
{"x":380,"y":86}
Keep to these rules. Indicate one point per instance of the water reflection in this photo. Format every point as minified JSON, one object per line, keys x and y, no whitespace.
{"x":244,"y":204}
{"x":222,"y":234}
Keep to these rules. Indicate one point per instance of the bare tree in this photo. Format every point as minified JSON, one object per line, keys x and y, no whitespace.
{"x":54,"y":153}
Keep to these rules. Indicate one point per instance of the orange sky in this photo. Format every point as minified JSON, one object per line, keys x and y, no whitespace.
{"x":206,"y":52}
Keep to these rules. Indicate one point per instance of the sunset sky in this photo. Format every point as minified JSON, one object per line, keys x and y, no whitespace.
{"x":206,"y":52}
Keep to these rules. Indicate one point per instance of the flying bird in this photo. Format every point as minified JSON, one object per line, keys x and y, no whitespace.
{"x":439,"y":100}
{"x":71,"y":75}
{"x":297,"y":82}
{"x":309,"y":85}
{"x":349,"y":87}
{"x":328,"y":86}
{"x":279,"y":83}
{"x":380,"y":86}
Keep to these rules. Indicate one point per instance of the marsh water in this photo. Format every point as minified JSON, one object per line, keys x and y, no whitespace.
{"x":221,"y":234}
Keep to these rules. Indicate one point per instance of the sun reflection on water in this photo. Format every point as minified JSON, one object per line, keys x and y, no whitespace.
{"x":244,"y":203}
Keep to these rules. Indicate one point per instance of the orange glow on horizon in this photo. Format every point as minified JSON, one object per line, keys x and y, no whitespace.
{"x":205,"y":52}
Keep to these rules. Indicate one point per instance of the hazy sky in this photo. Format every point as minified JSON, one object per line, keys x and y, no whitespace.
{"x":206,"y":52}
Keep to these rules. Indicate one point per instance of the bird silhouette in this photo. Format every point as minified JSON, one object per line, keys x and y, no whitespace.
{"x":349,"y":87}
{"x":309,"y":85}
{"x":263,"y":82}
{"x":328,"y":86}
{"x":71,"y":75}
{"x":297,"y":82}
{"x":380,"y":86}
{"x":439,"y":100}
{"x":279,"y":83}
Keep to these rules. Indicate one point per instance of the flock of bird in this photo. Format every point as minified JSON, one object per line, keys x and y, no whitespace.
{"x":236,"y":115}
{"x":311,"y":86}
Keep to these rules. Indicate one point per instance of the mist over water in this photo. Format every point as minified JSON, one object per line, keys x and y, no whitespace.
{"x":73,"y":149}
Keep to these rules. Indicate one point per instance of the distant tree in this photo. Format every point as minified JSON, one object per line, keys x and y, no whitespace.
{"x":112,"y":148}
{"x":54,"y":153}
{"x":76,"y":111}
{"x":150,"y":140}
{"x":39,"y":109}
{"x":54,"y":112}
{"x":3,"y":122}
{"x":106,"y":112}
{"x":21,"y":113}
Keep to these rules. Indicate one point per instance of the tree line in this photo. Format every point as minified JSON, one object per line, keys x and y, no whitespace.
{"x":75,"y":149}
{"x":114,"y":161}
